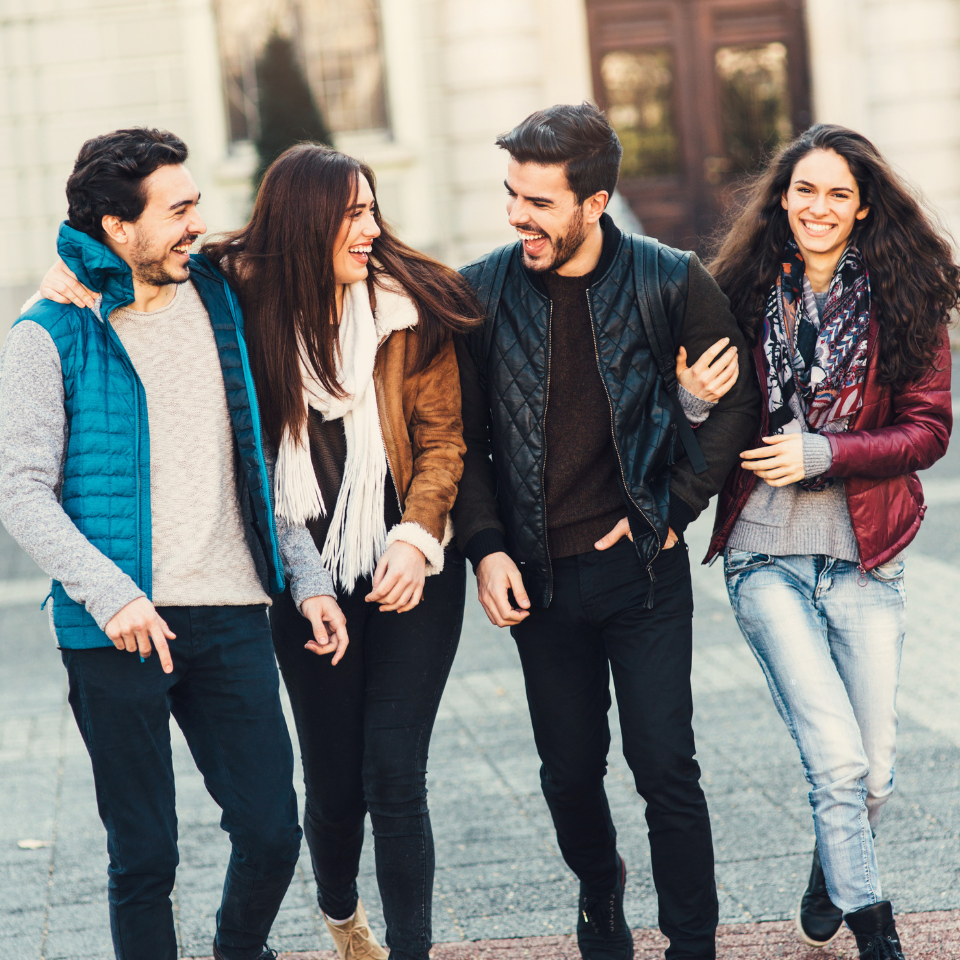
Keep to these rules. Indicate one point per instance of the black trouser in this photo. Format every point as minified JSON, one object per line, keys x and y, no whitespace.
{"x":598,"y":621}
{"x":225,"y":695}
{"x":364,"y":728}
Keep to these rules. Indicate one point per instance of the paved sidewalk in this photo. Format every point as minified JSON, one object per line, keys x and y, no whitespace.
{"x":499,"y":874}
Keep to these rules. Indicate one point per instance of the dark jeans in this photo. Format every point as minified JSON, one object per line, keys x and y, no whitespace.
{"x":598,"y":622}
{"x":364,"y":728}
{"x":224,"y":693}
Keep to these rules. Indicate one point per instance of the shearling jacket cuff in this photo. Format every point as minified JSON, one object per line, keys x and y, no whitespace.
{"x":416,"y":536}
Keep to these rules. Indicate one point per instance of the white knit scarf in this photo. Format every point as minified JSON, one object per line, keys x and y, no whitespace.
{"x":357,"y":534}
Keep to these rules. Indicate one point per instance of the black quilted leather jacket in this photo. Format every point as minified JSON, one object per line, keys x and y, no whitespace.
{"x":514,"y":374}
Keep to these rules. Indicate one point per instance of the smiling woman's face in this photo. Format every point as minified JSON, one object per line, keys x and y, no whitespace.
{"x":355,"y":241}
{"x":822,"y":204}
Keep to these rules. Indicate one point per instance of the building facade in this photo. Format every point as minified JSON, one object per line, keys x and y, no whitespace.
{"x":698,"y":90}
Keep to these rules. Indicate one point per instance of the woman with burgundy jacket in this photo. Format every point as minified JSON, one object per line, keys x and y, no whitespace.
{"x":843,"y":286}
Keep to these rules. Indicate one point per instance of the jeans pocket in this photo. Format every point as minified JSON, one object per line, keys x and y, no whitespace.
{"x":888,"y":572}
{"x":740,"y":561}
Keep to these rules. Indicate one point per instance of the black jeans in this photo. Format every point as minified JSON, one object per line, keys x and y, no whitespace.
{"x":224,"y":693}
{"x":598,"y":622}
{"x":364,"y":728}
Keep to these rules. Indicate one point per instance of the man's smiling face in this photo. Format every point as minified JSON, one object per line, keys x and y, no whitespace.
{"x":546,"y":214}
{"x":161,"y":237}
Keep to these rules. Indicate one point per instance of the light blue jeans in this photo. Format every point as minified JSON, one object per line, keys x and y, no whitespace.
{"x":829,"y":638}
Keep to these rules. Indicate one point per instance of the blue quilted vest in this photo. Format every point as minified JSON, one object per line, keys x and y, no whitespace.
{"x":106,"y":470}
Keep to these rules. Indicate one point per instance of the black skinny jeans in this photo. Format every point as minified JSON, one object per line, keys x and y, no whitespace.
{"x":598,"y":622}
{"x":364,"y":728}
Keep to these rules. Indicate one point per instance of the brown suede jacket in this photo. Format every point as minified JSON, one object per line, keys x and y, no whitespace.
{"x":423,"y":437}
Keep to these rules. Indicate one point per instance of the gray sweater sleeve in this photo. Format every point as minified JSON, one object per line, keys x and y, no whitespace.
{"x":33,"y":441}
{"x":301,"y":560}
{"x":817,"y":454}
{"x":301,"y":563}
{"x":695,"y":410}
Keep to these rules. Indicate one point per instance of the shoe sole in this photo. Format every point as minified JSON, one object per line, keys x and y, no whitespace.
{"x":808,"y":940}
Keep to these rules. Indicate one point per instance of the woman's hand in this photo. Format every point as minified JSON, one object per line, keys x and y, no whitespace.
{"x":707,"y":379}
{"x":779,"y":464}
{"x":398,"y":579}
{"x":62,"y":286}
{"x":329,"y":627}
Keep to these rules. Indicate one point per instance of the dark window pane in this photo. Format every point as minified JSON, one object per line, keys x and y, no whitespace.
{"x":639,"y":95}
{"x":754,"y":104}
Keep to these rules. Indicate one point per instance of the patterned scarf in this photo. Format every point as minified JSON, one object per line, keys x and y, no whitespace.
{"x":815,"y":379}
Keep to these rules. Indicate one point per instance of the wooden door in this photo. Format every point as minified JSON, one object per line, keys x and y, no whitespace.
{"x":699,"y":91}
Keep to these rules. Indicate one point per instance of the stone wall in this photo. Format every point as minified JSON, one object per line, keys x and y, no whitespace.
{"x":70,"y":70}
{"x":891,"y":69}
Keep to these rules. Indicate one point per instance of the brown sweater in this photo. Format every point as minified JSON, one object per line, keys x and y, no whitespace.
{"x":581,"y":471}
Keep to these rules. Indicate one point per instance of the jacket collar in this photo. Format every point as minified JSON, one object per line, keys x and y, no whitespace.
{"x":96,"y":267}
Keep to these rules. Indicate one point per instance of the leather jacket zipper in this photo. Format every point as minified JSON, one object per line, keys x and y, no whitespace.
{"x":386,"y":453}
{"x":616,"y":447}
{"x":543,"y":462}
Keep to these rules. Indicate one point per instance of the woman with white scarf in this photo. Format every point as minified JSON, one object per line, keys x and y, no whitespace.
{"x":350,"y":335}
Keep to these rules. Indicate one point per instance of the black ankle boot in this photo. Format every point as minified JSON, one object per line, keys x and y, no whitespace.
{"x":818,"y":920}
{"x":602,"y":931}
{"x":876,"y":932}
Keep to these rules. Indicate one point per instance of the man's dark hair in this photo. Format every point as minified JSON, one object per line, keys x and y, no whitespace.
{"x":579,"y":138}
{"x":107,"y":179}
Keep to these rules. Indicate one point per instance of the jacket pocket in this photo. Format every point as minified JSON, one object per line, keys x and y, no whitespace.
{"x":889,"y":572}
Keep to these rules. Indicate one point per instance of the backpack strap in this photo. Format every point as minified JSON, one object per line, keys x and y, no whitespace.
{"x":646,"y":278}
{"x":490,"y":288}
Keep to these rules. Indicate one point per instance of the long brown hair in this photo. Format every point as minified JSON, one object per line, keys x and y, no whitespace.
{"x":913,"y":276}
{"x":281,"y":265}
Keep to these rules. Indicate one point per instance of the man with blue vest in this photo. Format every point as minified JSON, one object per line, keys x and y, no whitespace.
{"x":132,"y":471}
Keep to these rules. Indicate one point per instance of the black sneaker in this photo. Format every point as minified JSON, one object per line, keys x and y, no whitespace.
{"x":267,"y":954}
{"x":818,"y":920}
{"x":876,"y":932}
{"x":602,"y":931}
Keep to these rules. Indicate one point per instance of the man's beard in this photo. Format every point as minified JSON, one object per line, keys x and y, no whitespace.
{"x":152,"y":270}
{"x":564,"y":247}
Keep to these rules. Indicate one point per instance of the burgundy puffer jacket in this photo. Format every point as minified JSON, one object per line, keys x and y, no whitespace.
{"x":892,"y":436}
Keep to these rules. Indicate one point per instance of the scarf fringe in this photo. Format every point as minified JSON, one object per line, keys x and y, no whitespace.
{"x":357,"y":535}
{"x":296,"y":491}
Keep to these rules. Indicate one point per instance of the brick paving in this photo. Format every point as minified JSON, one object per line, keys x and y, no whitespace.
{"x":502,"y":890}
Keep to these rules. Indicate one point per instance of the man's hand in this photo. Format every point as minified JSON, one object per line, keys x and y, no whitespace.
{"x":707,"y":379}
{"x":329,"y":627}
{"x":133,"y":628}
{"x":497,"y":574}
{"x":779,"y":464}
{"x":62,"y":286}
{"x":398,"y":579}
{"x":622,"y":529}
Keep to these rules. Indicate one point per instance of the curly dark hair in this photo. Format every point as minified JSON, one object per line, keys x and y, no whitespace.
{"x":913,"y":275}
{"x":107,"y":179}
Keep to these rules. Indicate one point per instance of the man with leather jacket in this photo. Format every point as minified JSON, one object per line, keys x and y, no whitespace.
{"x":575,"y":496}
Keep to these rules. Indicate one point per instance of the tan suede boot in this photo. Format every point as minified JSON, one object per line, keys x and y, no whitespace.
{"x":354,"y":939}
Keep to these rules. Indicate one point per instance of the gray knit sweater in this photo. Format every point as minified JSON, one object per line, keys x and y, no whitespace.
{"x":786,"y":521}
